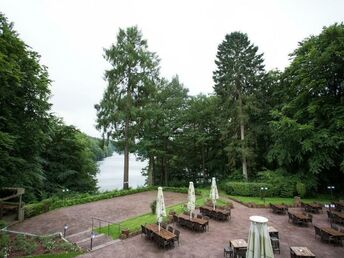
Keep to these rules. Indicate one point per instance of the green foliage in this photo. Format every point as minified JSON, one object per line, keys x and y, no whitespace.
{"x":247,"y":188}
{"x":301,"y":189}
{"x":238,"y":76}
{"x":24,"y":93}
{"x":130,"y":81}
{"x":153,"y":206}
{"x":307,"y":128}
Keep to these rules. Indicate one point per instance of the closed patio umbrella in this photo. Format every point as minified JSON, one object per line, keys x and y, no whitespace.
{"x":214,"y":195}
{"x":259,"y":243}
{"x":160,"y":210}
{"x":191,"y":198}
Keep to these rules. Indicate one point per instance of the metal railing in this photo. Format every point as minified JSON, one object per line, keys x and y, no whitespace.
{"x":98,"y":221}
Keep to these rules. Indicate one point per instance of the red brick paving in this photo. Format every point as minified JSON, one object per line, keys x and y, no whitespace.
{"x":208,"y":244}
{"x":211,"y":244}
{"x":78,"y":217}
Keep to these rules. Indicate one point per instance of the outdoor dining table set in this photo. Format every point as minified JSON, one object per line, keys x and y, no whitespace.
{"x":336,"y":217}
{"x":193,"y":223}
{"x":329,"y":234}
{"x":236,"y":248}
{"x":339,"y":206}
{"x":312,"y":207}
{"x":278,"y":209}
{"x":300,"y":219}
{"x":217,"y":214}
{"x":163,"y":237}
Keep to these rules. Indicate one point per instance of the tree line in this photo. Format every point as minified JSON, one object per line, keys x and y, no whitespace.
{"x":37,"y":150}
{"x":257,"y":125}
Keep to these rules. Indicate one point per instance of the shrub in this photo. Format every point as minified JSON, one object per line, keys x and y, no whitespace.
{"x":53,"y":203}
{"x":153,"y":206}
{"x":301,"y":189}
{"x":247,"y":188}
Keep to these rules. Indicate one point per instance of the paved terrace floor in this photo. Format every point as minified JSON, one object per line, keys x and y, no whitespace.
{"x":78,"y":217}
{"x":192,"y":244}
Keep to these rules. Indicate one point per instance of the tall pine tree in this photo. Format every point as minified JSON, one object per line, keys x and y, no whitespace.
{"x":134,"y":70}
{"x":239,"y":71}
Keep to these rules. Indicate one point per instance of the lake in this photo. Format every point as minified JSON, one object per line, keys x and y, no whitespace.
{"x":110,"y":174}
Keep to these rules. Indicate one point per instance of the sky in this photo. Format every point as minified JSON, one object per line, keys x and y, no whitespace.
{"x":71,"y":35}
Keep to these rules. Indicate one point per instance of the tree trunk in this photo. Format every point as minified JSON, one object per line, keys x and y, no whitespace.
{"x":165,"y":164}
{"x":126,"y":156}
{"x":242,"y":134}
{"x":150,"y":171}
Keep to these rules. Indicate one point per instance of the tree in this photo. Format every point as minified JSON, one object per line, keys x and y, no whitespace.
{"x":68,"y":160}
{"x":308,"y":127}
{"x":239,"y":72}
{"x":24,"y":94}
{"x":130,"y":80}
{"x":160,"y":126}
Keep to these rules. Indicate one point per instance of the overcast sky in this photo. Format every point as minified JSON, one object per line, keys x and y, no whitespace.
{"x":70,"y":36}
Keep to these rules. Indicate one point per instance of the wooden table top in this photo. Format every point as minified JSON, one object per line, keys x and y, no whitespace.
{"x":238,"y":243}
{"x":194,"y":219}
{"x":332,"y":232}
{"x":302,"y":251}
{"x":338,"y":214}
{"x":314,"y":205}
{"x":163,"y":232}
{"x":271,"y":229}
{"x":226,"y":212}
{"x":300,"y":215}
{"x":279,"y":206}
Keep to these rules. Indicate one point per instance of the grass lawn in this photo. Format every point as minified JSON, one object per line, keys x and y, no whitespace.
{"x":60,"y":255}
{"x":279,"y":200}
{"x":134,"y":224}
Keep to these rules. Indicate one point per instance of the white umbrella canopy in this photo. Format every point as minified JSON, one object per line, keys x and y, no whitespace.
{"x":191,"y":198}
{"x":259,"y":243}
{"x":214,"y":194}
{"x":160,"y":209}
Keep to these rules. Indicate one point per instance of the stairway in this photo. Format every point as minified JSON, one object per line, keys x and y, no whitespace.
{"x":83,"y":240}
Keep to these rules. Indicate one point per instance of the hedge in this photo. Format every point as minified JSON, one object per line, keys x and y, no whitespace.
{"x":53,"y":203}
{"x":247,"y":188}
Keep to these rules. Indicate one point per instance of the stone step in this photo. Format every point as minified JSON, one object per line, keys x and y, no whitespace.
{"x":79,"y":236}
{"x":104,"y":245}
{"x":99,"y":240}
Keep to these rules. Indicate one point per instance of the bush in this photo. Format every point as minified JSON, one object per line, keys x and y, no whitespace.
{"x":53,"y":203}
{"x":301,"y":189}
{"x":247,"y":188}
{"x":153,"y":206}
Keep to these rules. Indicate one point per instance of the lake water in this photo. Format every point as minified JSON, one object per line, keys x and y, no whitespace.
{"x":110,"y":174}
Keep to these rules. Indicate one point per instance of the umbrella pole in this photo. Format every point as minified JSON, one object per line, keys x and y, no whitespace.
{"x":159,"y":227}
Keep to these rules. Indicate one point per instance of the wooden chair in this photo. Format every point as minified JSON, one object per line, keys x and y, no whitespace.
{"x":170,"y":228}
{"x":176,"y":238}
{"x":143,"y":230}
{"x":163,"y":225}
{"x":275,"y":244}
{"x":317,"y":231}
{"x":228,"y":252}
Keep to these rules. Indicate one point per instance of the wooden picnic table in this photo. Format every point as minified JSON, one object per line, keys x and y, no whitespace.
{"x":339,"y":214}
{"x":299,"y":218}
{"x":312,"y":207}
{"x":194,"y":219}
{"x":215,"y":214}
{"x":296,"y":251}
{"x":167,"y":235}
{"x":332,"y":232}
{"x":339,"y":205}
{"x":239,"y":246}
{"x":278,"y":208}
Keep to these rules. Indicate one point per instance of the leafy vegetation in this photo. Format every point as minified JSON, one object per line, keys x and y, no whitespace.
{"x":281,"y":128}
{"x":37,"y":150}
{"x":21,"y":245}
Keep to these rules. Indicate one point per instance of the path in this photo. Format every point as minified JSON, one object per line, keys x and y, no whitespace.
{"x":78,"y":217}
